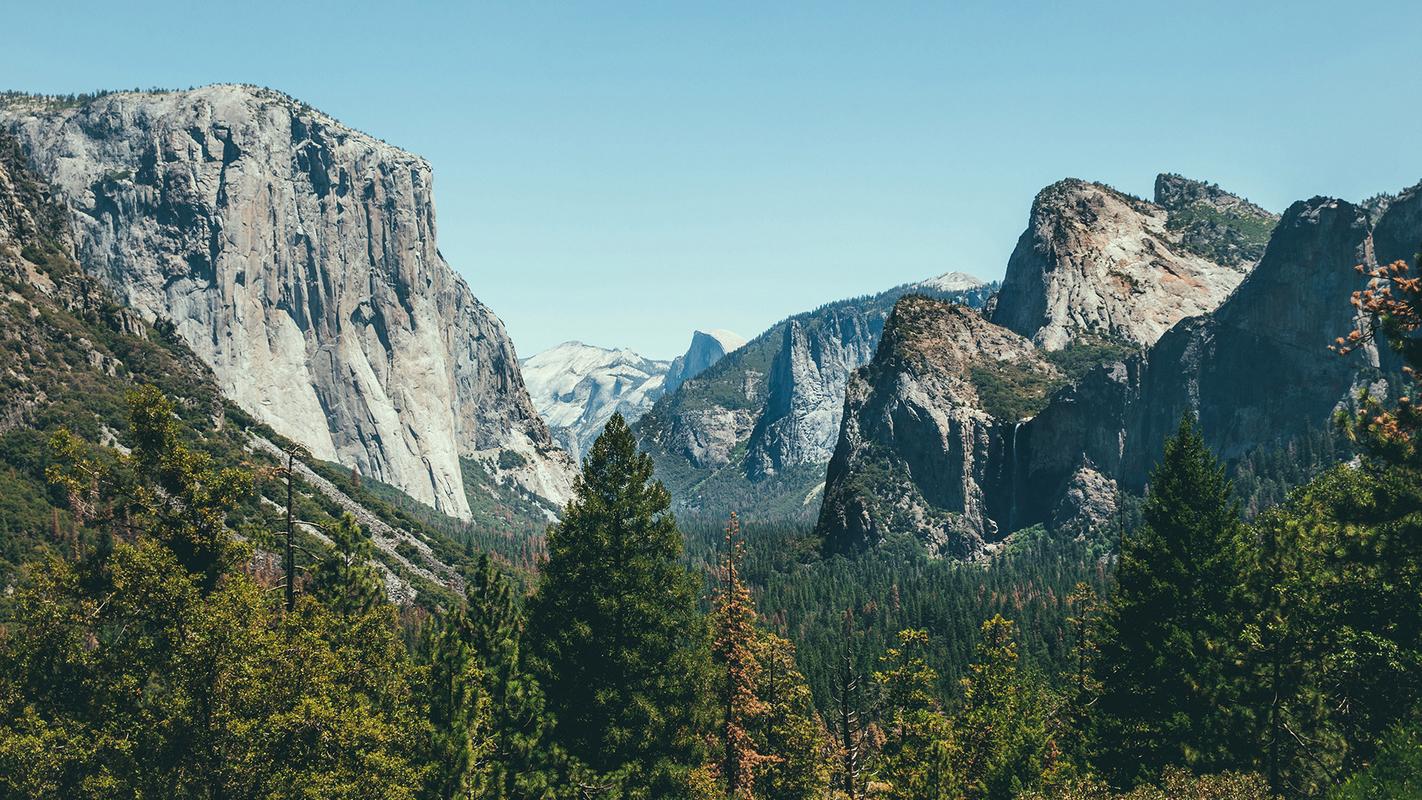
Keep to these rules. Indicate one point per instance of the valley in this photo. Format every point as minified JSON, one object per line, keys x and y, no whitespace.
{"x":271,"y":474}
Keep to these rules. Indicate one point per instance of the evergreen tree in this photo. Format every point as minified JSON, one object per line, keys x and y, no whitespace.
{"x":734,"y":653}
{"x":182,"y":498}
{"x":524,"y":762}
{"x":346,"y":580}
{"x":462,"y":743}
{"x":789,"y":729}
{"x":1003,"y":746}
{"x":618,"y":645}
{"x":916,"y":760}
{"x":1166,"y":631}
{"x":1285,"y":650}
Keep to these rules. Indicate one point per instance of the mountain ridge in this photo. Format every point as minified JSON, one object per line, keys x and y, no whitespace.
{"x":1255,"y":370}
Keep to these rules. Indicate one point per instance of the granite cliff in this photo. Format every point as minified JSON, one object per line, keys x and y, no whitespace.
{"x":1095,"y":262}
{"x":1256,"y":371}
{"x":298,"y":259}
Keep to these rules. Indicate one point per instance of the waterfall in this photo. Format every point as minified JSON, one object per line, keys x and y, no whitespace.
{"x":1012,"y":487}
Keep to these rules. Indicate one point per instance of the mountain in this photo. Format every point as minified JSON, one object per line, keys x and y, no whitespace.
{"x":577,"y":387}
{"x":949,"y":282}
{"x":923,"y":452}
{"x":298,"y":259}
{"x":1097,"y":263}
{"x":707,"y":347}
{"x":71,"y":351}
{"x":1256,"y":371}
{"x":762,"y":422}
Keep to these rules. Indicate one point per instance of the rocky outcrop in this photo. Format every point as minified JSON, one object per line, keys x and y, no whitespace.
{"x":1256,"y":372}
{"x":1098,"y":264}
{"x":298,"y":259}
{"x":917,"y":452}
{"x":764,"y":420}
{"x":805,"y":397}
{"x":707,"y":347}
{"x":578,"y":387}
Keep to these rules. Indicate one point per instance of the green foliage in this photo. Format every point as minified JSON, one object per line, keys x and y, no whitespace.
{"x":1223,"y":237}
{"x":1334,"y":638}
{"x":345,"y":580}
{"x":1086,"y":353}
{"x":1164,"y":688}
{"x":462,"y":742}
{"x":1014,"y":390}
{"x":134,"y":681}
{"x":1003,"y":741}
{"x":617,"y":642}
{"x":789,"y":729}
{"x":1396,"y":774}
{"x":1175,"y":784}
{"x":525,"y":763}
{"x":917,"y":759}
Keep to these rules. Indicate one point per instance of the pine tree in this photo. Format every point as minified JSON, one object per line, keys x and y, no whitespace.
{"x":523,"y":762}
{"x":462,"y":743}
{"x":345,"y":580}
{"x":790,"y":729}
{"x":617,"y":643}
{"x":1003,"y":745}
{"x":915,"y":762}
{"x":1283,"y":649}
{"x":1082,"y":626}
{"x":734,"y":654}
{"x":183,"y":499}
{"x":1166,"y":632}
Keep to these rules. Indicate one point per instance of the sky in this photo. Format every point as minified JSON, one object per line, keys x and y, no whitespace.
{"x":622,"y":173}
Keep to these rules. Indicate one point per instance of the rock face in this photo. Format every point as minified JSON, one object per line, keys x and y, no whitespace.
{"x":298,"y":259}
{"x":917,"y":452}
{"x":805,"y":393}
{"x":763,"y":421}
{"x":1256,"y":372}
{"x":63,"y":338}
{"x":578,"y":387}
{"x":1100,"y":264}
{"x":707,"y":347}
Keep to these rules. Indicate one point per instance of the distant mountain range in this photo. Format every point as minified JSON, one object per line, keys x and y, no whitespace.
{"x":761,"y":423}
{"x":578,"y":387}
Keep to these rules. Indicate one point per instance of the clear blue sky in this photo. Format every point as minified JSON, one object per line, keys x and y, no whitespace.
{"x":622,"y":172}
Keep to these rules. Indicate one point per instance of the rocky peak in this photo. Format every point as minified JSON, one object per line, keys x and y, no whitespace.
{"x":1175,"y":193}
{"x":766,"y":418}
{"x":918,"y":452}
{"x":298,"y":259}
{"x":950,"y":282}
{"x":707,"y":347}
{"x":1096,"y":262}
{"x":934,"y":339}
